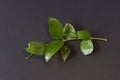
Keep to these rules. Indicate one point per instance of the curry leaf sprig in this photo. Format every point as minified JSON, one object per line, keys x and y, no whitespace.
{"x":60,"y":36}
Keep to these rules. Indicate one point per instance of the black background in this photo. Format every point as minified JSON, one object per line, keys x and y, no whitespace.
{"x":22,"y":21}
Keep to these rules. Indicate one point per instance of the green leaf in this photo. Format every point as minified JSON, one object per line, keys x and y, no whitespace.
{"x":83,"y":34}
{"x":55,"y":28}
{"x":65,"y":52}
{"x":69,"y":31}
{"x":36,"y":48}
{"x":86,"y":47}
{"x":52,"y":48}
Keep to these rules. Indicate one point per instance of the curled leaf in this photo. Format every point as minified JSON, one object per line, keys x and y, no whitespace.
{"x":55,"y":28}
{"x":69,"y":31}
{"x":52,"y":48}
{"x":86,"y":47}
{"x":83,"y":34}
{"x":65,"y":52}
{"x":36,"y":48}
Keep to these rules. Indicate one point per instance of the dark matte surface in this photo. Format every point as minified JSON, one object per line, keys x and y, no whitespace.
{"x":22,"y":21}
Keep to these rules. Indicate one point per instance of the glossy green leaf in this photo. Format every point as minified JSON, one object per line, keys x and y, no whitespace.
{"x":52,"y":48}
{"x":83,"y":34}
{"x":86,"y":47}
{"x":36,"y":48}
{"x":69,"y":31}
{"x":55,"y":28}
{"x":65,"y":52}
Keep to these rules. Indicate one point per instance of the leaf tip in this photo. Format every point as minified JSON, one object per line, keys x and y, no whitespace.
{"x":46,"y":58}
{"x":52,"y":18}
{"x":64,"y":60}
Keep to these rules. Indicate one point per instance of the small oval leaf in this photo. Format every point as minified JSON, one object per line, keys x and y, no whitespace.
{"x":69,"y":31}
{"x":83,"y":34}
{"x":55,"y":28}
{"x":36,"y":48}
{"x":86,"y":47}
{"x":65,"y":52}
{"x":52,"y":48}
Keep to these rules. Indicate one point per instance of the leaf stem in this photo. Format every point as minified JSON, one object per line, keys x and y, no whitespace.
{"x":28,"y":57}
{"x":69,"y":39}
{"x":103,"y":39}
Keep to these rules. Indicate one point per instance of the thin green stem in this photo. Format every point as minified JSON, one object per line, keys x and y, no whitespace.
{"x":103,"y":39}
{"x":28,"y":57}
{"x":92,"y":38}
{"x":69,"y":39}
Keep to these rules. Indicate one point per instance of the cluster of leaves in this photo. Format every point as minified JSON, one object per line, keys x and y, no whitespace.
{"x":60,"y":35}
